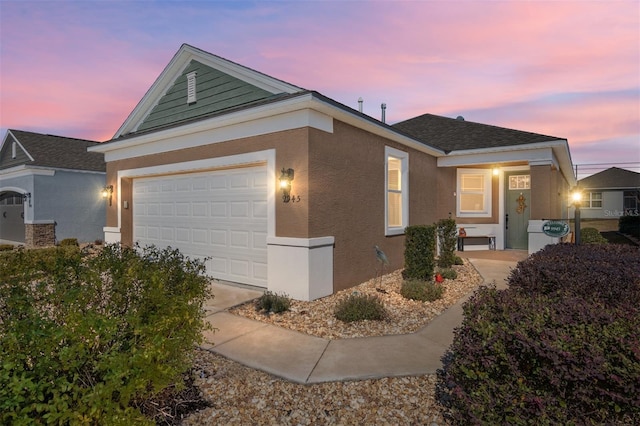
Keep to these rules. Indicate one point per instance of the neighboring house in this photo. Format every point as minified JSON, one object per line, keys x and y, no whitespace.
{"x":609,"y":194}
{"x":50,"y":189}
{"x":196,"y":166}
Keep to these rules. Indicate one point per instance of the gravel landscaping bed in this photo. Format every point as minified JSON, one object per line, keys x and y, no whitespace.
{"x":404,"y":315}
{"x":240,"y":395}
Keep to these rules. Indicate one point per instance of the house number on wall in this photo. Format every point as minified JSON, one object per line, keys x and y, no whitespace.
{"x":292,"y":198}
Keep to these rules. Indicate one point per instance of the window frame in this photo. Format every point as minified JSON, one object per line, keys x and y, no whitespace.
{"x":404,"y":190}
{"x":589,"y":200}
{"x":486,"y":192}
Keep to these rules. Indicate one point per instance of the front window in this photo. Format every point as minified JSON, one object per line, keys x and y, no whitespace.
{"x":397,"y":190}
{"x":593,"y":200}
{"x":474,"y":193}
{"x":631,"y":201}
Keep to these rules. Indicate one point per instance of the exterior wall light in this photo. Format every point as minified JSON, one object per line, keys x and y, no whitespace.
{"x":286,"y":177}
{"x":496,"y":171}
{"x":576,"y":197}
{"x":107,"y":193}
{"x":27,"y":196}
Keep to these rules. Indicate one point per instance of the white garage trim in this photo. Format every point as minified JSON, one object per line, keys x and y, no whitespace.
{"x":218,"y":216}
{"x":267,"y":156}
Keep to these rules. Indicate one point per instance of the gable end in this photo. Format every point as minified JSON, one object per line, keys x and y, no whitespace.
{"x":187,"y":98}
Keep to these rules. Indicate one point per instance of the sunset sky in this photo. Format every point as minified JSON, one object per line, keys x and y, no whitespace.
{"x":569,"y":69}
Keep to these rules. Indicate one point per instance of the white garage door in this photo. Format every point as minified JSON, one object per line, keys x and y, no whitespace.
{"x":221,"y":215}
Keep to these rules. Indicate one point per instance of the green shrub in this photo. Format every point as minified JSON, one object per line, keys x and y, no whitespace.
{"x":629,"y":225}
{"x":449,"y":274}
{"x":591,"y":236}
{"x":271,"y":302}
{"x":69,"y":242}
{"x":458,"y":261}
{"x":6,"y":247}
{"x":358,"y":307}
{"x":424,"y":291}
{"x":86,"y":339}
{"x":420,"y":251}
{"x":559,"y":346}
{"x":447,"y":242}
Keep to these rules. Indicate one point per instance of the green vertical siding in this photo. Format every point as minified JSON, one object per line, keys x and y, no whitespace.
{"x":215,"y":91}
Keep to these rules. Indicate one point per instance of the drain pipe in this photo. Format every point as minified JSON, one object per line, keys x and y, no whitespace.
{"x":384,"y":110}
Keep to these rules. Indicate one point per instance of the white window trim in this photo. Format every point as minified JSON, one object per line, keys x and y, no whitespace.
{"x":404,"y":190}
{"x":588,"y":202}
{"x":486,"y":192}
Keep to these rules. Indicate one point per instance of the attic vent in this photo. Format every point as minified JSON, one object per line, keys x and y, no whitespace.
{"x":460,"y":118}
{"x":13,"y":150}
{"x":191,"y":87}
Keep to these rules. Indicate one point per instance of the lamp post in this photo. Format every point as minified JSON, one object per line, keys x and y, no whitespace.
{"x":576,"y":196}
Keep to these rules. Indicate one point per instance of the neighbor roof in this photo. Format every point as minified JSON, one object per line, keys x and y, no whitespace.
{"x":56,"y":151}
{"x":611,"y":178}
{"x":451,"y":134}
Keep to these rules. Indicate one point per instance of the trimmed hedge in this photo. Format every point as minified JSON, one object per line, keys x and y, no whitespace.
{"x":420,"y":252}
{"x":447,"y":242}
{"x":559,"y":346}
{"x":592,"y":236}
{"x":86,"y":339}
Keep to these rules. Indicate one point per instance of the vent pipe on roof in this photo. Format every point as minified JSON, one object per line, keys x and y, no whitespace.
{"x":384,"y":110}
{"x":460,"y":118}
{"x":360,"y":101}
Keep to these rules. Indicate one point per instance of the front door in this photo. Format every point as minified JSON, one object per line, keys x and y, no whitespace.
{"x":518,"y":202}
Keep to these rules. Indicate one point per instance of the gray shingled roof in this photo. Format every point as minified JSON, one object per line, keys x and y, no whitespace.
{"x":60,"y":152}
{"x":450,"y":134}
{"x":611,"y":178}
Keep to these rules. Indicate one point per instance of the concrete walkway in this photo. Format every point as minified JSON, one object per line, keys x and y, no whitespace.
{"x":302,"y":358}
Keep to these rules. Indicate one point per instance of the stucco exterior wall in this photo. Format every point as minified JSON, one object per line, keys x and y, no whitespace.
{"x":347,"y":199}
{"x":291,"y":152}
{"x":73,"y":201}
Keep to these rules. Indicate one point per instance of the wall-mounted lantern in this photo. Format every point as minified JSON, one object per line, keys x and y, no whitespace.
{"x":286,"y":177}
{"x":496,"y":171}
{"x":107,"y":193}
{"x":27,"y":196}
{"x":576,"y":198}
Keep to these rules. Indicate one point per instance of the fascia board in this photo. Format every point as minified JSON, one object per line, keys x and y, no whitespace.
{"x":23,"y":170}
{"x":552,"y":152}
{"x":301,"y":111}
{"x":177,"y":65}
{"x":377,"y":129}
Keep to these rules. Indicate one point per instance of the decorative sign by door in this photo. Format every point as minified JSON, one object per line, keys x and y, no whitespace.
{"x":554,"y":228}
{"x":521,"y":204}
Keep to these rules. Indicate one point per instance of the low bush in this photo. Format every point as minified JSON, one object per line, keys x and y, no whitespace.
{"x":591,"y":236}
{"x":608,"y":273}
{"x":271,"y":302}
{"x":6,"y":247}
{"x":358,"y":307}
{"x":420,"y":252}
{"x":447,"y":242}
{"x":559,"y":346}
{"x":458,"y":261}
{"x":525,"y":358}
{"x":86,"y":339}
{"x":449,"y":274}
{"x":424,"y":291}
{"x":69,"y":242}
{"x":629,"y":225}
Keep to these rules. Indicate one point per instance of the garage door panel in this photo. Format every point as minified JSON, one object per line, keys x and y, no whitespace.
{"x":220,"y":215}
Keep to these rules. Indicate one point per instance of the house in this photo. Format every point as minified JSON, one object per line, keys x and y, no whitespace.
{"x":609,"y":194}
{"x":198,"y":165}
{"x":50,"y":189}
